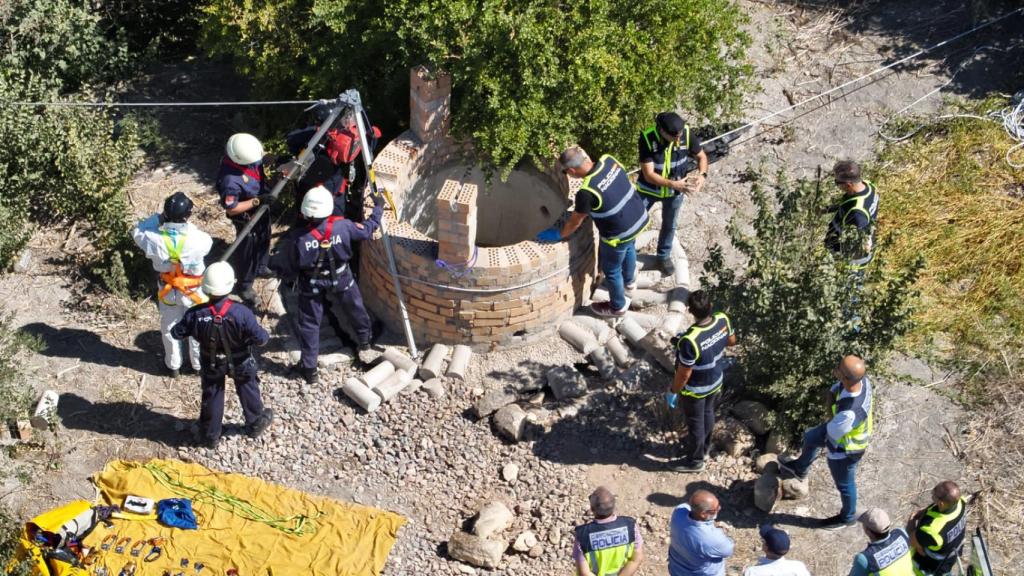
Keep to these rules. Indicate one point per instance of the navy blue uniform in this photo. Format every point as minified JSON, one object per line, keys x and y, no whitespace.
{"x":236,"y":184}
{"x":226,"y":351}
{"x":319,"y":257}
{"x":322,"y":172}
{"x":702,"y":348}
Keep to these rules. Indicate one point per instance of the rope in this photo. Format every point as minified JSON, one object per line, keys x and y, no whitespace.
{"x":459,"y":270}
{"x":162,"y":104}
{"x":296,"y":525}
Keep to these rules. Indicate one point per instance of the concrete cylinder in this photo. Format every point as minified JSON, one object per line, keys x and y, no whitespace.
{"x":600,"y":358}
{"x":45,"y":409}
{"x":413,"y":386}
{"x":618,"y":351}
{"x":360,"y":394}
{"x":647,"y":236}
{"x":632,"y":331}
{"x":672,"y":323}
{"x":646,"y":321}
{"x":434,"y":388}
{"x":460,"y":362}
{"x":643,"y":298}
{"x":682,"y":275}
{"x":648,"y":279}
{"x":394,"y":384}
{"x":599,"y":328}
{"x":377,"y":374}
{"x":432,"y":364}
{"x":401,"y":361}
{"x":677,"y":300}
{"x":579,"y":337}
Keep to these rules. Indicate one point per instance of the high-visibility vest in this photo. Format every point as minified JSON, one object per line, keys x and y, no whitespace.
{"x":865,"y":202}
{"x":890,"y":556}
{"x":608,"y":547}
{"x":856,"y":440}
{"x":672,"y":162}
{"x":175,"y":279}
{"x":620,"y":215}
{"x":947,"y":529}
{"x":710,"y":343}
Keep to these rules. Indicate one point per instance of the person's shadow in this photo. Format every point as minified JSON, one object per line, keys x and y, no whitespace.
{"x":121,"y":418}
{"x":89,"y":348}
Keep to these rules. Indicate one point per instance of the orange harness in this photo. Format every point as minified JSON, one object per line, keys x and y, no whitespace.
{"x":176,"y":279}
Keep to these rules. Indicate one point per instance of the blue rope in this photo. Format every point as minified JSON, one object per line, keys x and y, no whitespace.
{"x":459,"y":270}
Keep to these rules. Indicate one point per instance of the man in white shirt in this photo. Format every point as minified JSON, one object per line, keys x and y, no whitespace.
{"x":176,"y":249}
{"x":774,"y":562}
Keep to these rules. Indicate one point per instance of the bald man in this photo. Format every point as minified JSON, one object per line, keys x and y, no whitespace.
{"x":937,"y":532}
{"x":609,"y":545}
{"x":697,"y":547}
{"x":845,"y":436}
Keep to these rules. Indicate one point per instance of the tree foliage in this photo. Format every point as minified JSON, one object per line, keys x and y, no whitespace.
{"x":796,"y":309}
{"x":527,"y":75}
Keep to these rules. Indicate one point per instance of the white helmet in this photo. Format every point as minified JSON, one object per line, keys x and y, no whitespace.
{"x":219,"y":279}
{"x":244,"y":149}
{"x":317,"y":203}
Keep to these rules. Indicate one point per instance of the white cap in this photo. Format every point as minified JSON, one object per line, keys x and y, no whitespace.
{"x":244,"y":149}
{"x":317,"y":203}
{"x":219,"y":279}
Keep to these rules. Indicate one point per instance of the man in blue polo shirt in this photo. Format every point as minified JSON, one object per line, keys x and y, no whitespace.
{"x":700,"y":367}
{"x":697,"y":547}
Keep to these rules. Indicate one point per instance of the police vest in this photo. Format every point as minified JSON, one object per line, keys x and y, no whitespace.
{"x":865,"y":202}
{"x":709,"y":342}
{"x":607,"y":547}
{"x":891,"y":556}
{"x":856,"y":440}
{"x":671,"y":161}
{"x":948,"y":532}
{"x":326,"y":271}
{"x":619,"y":213}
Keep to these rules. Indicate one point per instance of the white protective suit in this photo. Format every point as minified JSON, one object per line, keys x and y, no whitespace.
{"x":192,"y":245}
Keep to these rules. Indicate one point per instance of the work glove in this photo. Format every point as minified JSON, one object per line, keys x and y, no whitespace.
{"x":672,"y":400}
{"x":264,"y":199}
{"x":550,"y":235}
{"x":378,"y":199}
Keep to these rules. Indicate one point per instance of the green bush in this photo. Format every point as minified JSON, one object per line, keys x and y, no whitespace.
{"x":794,"y":306}
{"x":527,"y":75}
{"x":15,"y":391}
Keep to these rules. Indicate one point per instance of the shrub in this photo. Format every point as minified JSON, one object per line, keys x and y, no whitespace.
{"x":796,"y":309}
{"x":15,"y":392}
{"x":527,"y":75}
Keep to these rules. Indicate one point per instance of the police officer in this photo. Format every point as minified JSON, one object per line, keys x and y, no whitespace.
{"x":176,"y":249}
{"x":937,"y":532}
{"x":698,"y":378}
{"x":319,"y":258}
{"x":243,"y":187}
{"x":226,"y":331}
{"x":668,"y":153}
{"x":609,"y":545}
{"x":608,"y":196}
{"x":859,"y":210}
{"x":888,"y":550}
{"x":845,"y":435}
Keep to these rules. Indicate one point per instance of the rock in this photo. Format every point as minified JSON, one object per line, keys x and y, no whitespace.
{"x":732,"y":437}
{"x":765,"y":461}
{"x":776,"y":443}
{"x":492,"y":401}
{"x":555,"y":537}
{"x":492,"y":518}
{"x":566,"y":382}
{"x":510,"y":421}
{"x":795,"y":488}
{"x":475,"y":550}
{"x":753,"y":415}
{"x":767,"y":491}
{"x":536,"y":551}
{"x":24,"y":263}
{"x":510,"y":474}
{"x":525,"y":541}
{"x":656,"y":344}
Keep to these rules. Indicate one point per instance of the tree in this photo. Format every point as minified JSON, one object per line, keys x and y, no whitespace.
{"x":528,"y":75}
{"x":797,"y":310}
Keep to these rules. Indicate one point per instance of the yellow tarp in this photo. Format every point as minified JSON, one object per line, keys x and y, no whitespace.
{"x":348,"y":540}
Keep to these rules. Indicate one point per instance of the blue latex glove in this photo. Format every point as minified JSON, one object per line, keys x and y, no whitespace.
{"x":672,"y":399}
{"x":550,"y":235}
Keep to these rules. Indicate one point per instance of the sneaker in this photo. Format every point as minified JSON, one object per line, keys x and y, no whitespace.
{"x":668,"y":267}
{"x":789,"y":472}
{"x":261,"y":424}
{"x":605,"y":309}
{"x":686,"y":466}
{"x":835,"y":523}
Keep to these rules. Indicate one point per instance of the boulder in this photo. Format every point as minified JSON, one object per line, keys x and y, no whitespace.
{"x":657,"y":344}
{"x":795,"y":488}
{"x":475,"y":550}
{"x":767,"y":491}
{"x":536,"y":551}
{"x":492,"y":518}
{"x":767,"y":463}
{"x":525,"y":541}
{"x":492,"y":401}
{"x":566,"y":382}
{"x":753,"y":415}
{"x":732,"y":437}
{"x":776,"y":443}
{"x":510,"y":473}
{"x":510,"y":421}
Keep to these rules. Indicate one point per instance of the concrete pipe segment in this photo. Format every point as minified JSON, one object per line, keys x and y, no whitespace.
{"x":463,"y":240}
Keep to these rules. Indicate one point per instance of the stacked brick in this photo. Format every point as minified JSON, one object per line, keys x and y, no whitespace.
{"x":454,"y":291}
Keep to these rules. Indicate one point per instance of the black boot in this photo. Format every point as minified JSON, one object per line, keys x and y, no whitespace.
{"x":310,"y":375}
{"x":261,"y":424}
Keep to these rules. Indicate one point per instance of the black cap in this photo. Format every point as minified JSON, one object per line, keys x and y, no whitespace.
{"x":177,"y":208}
{"x":670,"y":122}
